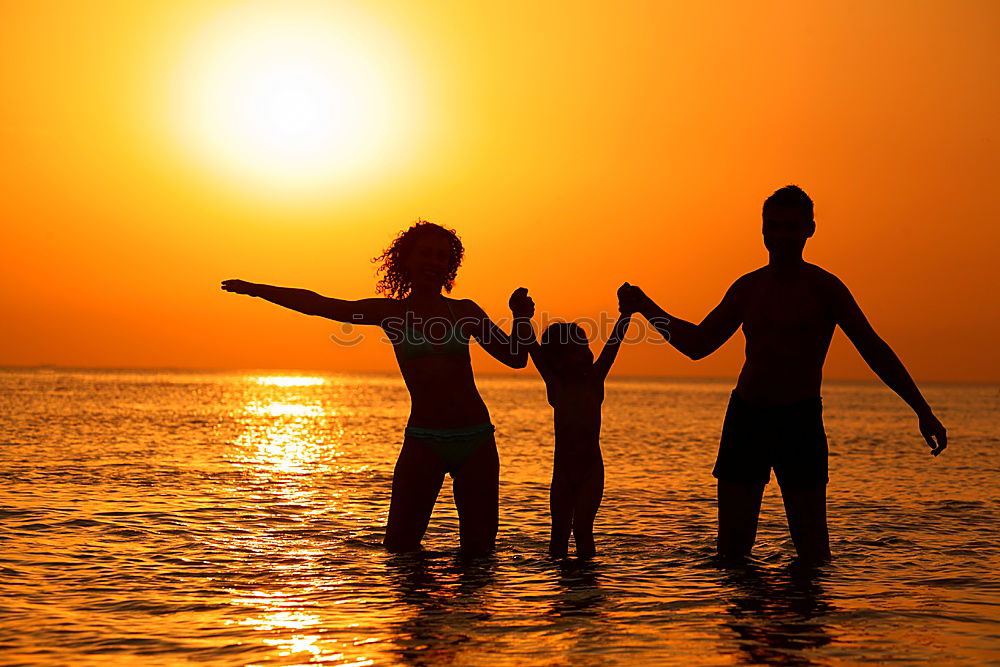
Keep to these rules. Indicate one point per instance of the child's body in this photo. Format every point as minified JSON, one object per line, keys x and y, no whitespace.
{"x":574,"y":384}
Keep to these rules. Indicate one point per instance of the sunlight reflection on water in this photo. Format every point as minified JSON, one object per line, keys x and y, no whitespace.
{"x":238,"y":519}
{"x":289,"y":380}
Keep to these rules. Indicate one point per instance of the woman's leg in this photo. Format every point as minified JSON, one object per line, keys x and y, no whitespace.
{"x":416,"y":482}
{"x":476,"y":487}
{"x":590,"y":491}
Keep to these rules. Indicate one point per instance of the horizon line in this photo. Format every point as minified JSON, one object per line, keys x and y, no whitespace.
{"x":509,"y":374}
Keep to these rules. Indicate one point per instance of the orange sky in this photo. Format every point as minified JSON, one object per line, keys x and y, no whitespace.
{"x":572,"y":148}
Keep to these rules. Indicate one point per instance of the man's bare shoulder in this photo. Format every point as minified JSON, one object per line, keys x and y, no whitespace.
{"x":748,"y":281}
{"x":821,"y":275}
{"x":832,"y":286}
{"x":742,"y":288}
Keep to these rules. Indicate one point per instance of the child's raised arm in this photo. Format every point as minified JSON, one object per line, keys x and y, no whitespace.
{"x":362,"y":311}
{"x":610,"y":351}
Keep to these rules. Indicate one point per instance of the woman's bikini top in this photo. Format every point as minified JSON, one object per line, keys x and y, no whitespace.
{"x":415,"y":345}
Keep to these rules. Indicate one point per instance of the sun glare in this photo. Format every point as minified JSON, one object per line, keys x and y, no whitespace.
{"x":289,"y":380}
{"x":293,"y":97}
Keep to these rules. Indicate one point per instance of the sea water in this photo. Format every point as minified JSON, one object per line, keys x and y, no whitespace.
{"x":158,"y":518}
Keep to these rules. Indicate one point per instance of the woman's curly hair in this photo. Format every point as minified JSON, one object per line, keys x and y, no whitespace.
{"x":395,"y":283}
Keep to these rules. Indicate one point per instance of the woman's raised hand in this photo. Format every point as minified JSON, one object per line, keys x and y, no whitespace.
{"x":239,"y":287}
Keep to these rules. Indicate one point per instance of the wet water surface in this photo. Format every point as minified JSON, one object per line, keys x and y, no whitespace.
{"x":160,"y":518}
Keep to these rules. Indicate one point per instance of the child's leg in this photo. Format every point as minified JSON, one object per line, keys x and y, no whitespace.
{"x":739,"y":507}
{"x":805,"y":508}
{"x":561,"y":507}
{"x":588,"y":500}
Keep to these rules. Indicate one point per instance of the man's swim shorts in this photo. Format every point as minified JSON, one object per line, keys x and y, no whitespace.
{"x":788,"y":438}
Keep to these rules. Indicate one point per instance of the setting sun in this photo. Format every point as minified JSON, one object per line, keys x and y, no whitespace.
{"x":357,"y":332}
{"x":290,"y":98}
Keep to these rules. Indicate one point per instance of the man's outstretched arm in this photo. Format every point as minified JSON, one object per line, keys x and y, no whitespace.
{"x":693,"y":340}
{"x":887,"y":366}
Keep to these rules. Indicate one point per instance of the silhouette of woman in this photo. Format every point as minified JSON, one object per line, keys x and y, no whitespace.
{"x":449,"y":429}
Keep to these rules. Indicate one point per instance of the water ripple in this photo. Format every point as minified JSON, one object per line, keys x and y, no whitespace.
{"x":158,"y":519}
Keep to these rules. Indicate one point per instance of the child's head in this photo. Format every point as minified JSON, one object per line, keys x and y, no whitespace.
{"x":788,"y":221}
{"x":565,"y":347}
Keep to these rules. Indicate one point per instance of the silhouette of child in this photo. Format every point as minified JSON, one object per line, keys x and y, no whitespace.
{"x":788,"y":310}
{"x":574,"y":383}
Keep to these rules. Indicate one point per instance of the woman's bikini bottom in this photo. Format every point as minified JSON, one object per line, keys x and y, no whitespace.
{"x":453,"y":446}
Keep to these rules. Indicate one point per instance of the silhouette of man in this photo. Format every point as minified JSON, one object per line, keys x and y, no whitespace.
{"x":788,"y":311}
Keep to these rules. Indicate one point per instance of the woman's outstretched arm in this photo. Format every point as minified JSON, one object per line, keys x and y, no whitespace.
{"x":509,"y":350}
{"x":362,"y":311}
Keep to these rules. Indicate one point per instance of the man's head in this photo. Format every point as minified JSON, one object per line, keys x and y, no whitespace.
{"x":788,"y":222}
